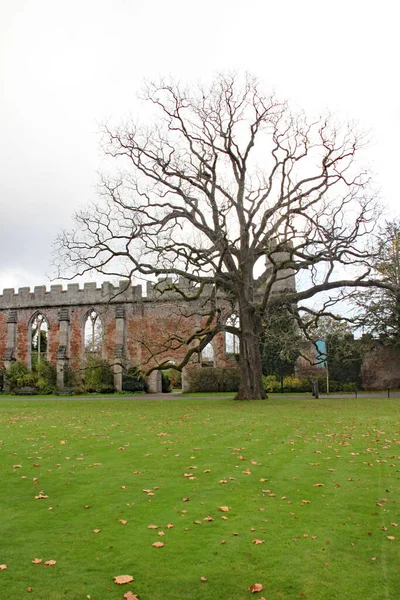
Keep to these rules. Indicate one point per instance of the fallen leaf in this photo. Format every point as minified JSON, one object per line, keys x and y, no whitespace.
{"x":122,"y":521}
{"x":256,"y":541}
{"x":96,"y":530}
{"x":120,"y":579}
{"x":185,"y":499}
{"x":224,"y":518}
{"x":161,"y":533}
{"x":223,"y":508}
{"x":170,"y":526}
{"x":152,"y":526}
{"x":50,"y":563}
{"x":223,"y":481}
{"x":391,"y":537}
{"x":87,"y":505}
{"x":158,"y":544}
{"x":319,"y":485}
{"x":203,"y":579}
{"x":3,"y":567}
{"x":197,"y":522}
{"x":206,"y":471}
{"x":41,"y":496}
{"x":29,"y":589}
{"x":130,"y":596}
{"x":247,"y":472}
{"x":208,"y":519}
{"x":37,"y":561}
{"x":17,"y":466}
{"x":256,"y":587}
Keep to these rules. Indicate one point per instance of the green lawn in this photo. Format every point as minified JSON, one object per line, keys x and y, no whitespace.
{"x":315,"y":482}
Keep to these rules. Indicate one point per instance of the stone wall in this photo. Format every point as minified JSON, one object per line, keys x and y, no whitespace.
{"x":381,"y":368}
{"x":140,"y":330}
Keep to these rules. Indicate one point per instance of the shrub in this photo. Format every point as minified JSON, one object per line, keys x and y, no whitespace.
{"x":175,"y":377}
{"x":46,"y":377}
{"x":133,"y":380}
{"x":166,"y":386}
{"x":99,"y":376}
{"x":211,"y":379}
{"x":19,"y":376}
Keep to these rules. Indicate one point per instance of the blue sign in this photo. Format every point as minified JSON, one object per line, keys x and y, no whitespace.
{"x":321,"y":353}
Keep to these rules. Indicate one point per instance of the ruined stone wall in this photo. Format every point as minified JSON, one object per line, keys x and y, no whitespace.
{"x":140,"y":330}
{"x":381,"y":368}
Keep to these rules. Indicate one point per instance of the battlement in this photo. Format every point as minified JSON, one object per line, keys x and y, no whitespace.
{"x":72,"y":295}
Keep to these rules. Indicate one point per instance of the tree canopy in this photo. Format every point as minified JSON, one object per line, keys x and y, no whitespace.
{"x":228,"y":189}
{"x":379,"y":307}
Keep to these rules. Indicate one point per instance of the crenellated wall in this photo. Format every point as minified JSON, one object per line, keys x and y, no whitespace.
{"x":140,"y":330}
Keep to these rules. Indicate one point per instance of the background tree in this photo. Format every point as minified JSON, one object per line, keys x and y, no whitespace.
{"x":379,"y":308}
{"x":343,"y":352}
{"x":223,"y":178}
{"x":280,"y":344}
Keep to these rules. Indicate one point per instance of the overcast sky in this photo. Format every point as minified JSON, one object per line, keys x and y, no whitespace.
{"x":68,"y":66}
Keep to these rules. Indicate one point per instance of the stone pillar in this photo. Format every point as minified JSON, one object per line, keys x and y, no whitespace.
{"x":10,"y":354}
{"x":154,"y":382}
{"x":62,"y":352}
{"x":119,"y":346}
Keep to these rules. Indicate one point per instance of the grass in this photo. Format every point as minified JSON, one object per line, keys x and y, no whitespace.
{"x":319,"y":542}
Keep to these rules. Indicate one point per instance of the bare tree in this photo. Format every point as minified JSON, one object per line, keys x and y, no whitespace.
{"x":231,"y":191}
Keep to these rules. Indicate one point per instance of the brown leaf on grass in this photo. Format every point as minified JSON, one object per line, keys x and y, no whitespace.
{"x":37,"y":561}
{"x":146,"y":491}
{"x":63,"y":442}
{"x":391,"y":537}
{"x":223,"y":508}
{"x":87,"y":506}
{"x":50,"y":563}
{"x":170,"y":526}
{"x":185,"y":499}
{"x":256,"y":541}
{"x":319,"y":485}
{"x":203,"y":579}
{"x":41,"y":496}
{"x":121,"y":579}
{"x":223,"y":481}
{"x":208,"y":519}
{"x":3,"y":567}
{"x":131,"y":596}
{"x":161,"y":533}
{"x":96,"y":530}
{"x":29,"y":589}
{"x":206,"y":471}
{"x":152,"y":526}
{"x":158,"y":544}
{"x":394,"y":524}
{"x":224,"y":518}
{"x":122,"y":521}
{"x":197,"y":522}
{"x":247,"y":472}
{"x":17,"y":466}
{"x":255,"y":587}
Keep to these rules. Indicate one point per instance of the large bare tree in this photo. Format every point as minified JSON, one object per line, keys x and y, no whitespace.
{"x":223,"y":181}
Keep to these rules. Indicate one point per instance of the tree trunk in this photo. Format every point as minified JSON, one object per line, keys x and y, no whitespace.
{"x":251,"y":383}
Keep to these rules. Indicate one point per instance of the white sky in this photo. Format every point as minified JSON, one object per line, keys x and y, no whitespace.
{"x":68,"y":66}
